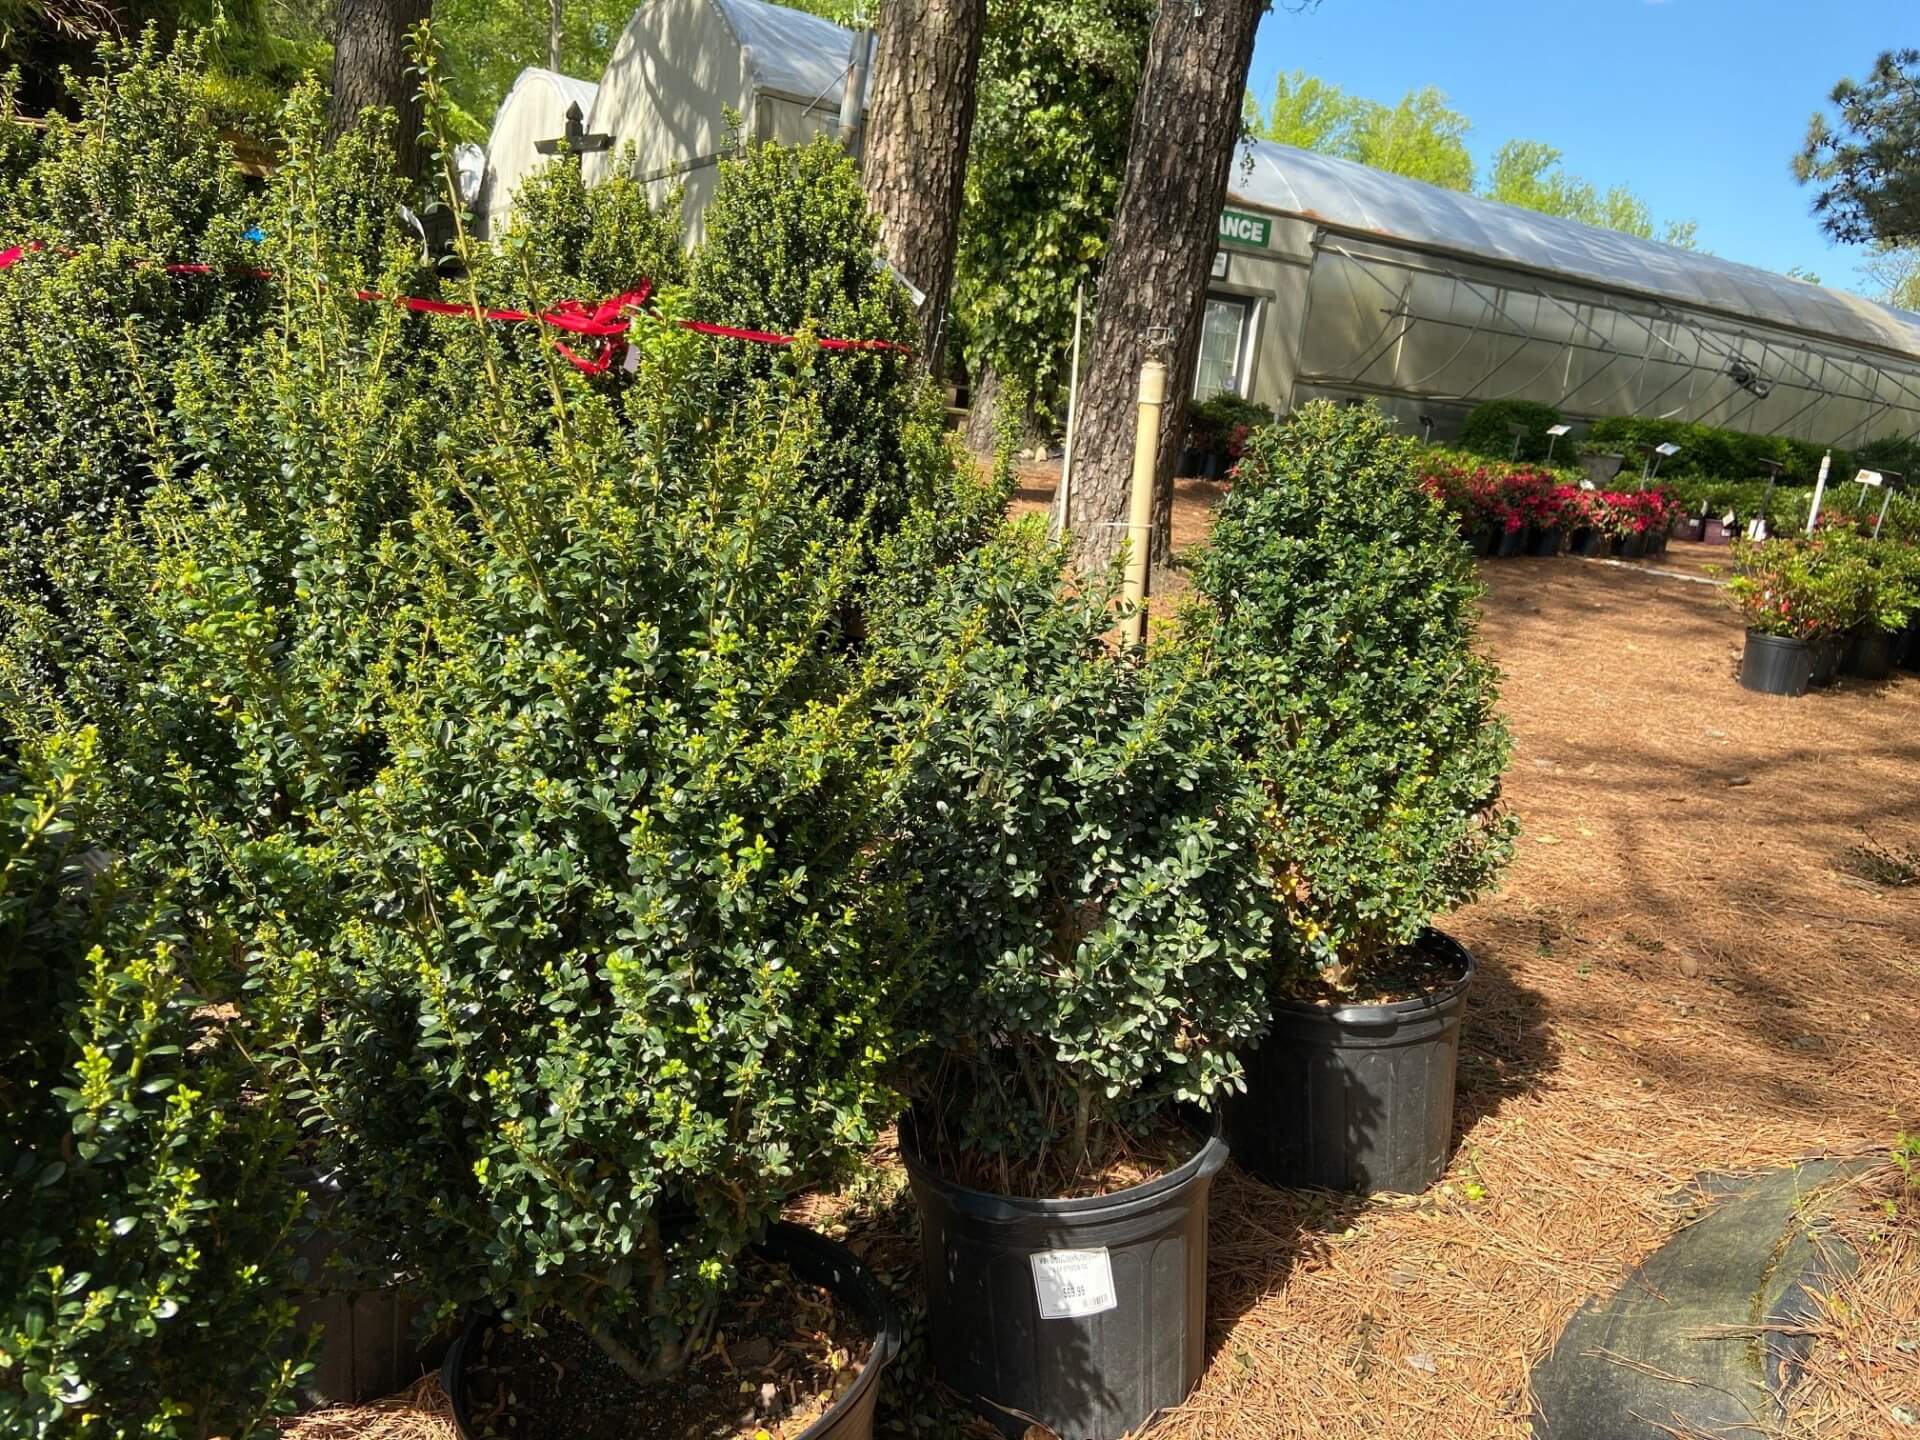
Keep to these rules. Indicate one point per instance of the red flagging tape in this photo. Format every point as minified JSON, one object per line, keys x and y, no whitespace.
{"x":608,"y":321}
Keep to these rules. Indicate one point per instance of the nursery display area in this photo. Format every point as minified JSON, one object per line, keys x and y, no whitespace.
{"x":562,"y":855}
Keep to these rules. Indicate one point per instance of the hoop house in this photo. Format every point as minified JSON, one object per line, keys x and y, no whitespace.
{"x":681,"y":65}
{"x":1335,"y":280}
{"x":535,"y":109}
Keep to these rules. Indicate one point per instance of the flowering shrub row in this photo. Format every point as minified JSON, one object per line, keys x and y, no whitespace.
{"x":1505,"y":498}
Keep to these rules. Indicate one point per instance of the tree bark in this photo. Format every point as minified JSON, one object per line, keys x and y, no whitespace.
{"x":1186,"y":126}
{"x":919,"y":121}
{"x":370,"y":70}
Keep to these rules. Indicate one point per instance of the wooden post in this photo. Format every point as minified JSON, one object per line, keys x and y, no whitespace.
{"x":1146,"y":455}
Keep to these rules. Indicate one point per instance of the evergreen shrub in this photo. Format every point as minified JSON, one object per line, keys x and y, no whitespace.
{"x":1080,"y":849}
{"x":1339,"y":611}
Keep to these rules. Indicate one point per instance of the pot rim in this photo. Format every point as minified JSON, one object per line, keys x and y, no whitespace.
{"x":1761,"y":635}
{"x":884,"y":1346}
{"x":1394,"y":1010}
{"x":1209,"y":1158}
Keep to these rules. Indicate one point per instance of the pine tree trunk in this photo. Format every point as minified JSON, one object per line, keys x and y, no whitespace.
{"x":370,"y":69}
{"x":919,"y":121}
{"x":1186,"y":124}
{"x":983,"y":416}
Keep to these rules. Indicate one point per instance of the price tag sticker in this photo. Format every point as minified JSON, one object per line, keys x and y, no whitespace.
{"x":1070,"y":1283}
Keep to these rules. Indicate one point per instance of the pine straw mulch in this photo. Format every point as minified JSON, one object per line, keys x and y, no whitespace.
{"x":1863,"y":1374}
{"x":1676,"y":978}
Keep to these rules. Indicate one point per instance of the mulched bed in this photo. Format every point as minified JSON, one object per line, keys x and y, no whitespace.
{"x":783,"y":1353}
{"x":1682,"y":974}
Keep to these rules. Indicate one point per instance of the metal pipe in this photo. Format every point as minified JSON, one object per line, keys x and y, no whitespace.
{"x":1065,"y":497}
{"x":853,"y":99}
{"x":1146,"y":457}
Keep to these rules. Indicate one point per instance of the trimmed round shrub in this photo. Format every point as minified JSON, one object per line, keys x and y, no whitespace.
{"x":1339,"y":614}
{"x":1485,"y":431}
{"x":1080,"y":848}
{"x":792,"y":245}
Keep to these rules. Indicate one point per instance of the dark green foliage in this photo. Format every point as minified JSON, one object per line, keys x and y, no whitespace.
{"x":791,"y":245}
{"x":1868,"y":172}
{"x":143,"y":1211}
{"x":569,"y":241}
{"x":1709,"y":452}
{"x":553,"y":772}
{"x":1080,"y":847}
{"x":1224,"y":423}
{"x":1049,"y":146}
{"x":1485,"y":431}
{"x":1341,"y":610}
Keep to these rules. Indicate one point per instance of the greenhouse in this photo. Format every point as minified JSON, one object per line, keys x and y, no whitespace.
{"x":681,"y":66}
{"x":535,"y":109}
{"x":1337,"y":280}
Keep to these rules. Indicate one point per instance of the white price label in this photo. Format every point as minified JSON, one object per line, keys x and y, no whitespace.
{"x":1072,"y":1282}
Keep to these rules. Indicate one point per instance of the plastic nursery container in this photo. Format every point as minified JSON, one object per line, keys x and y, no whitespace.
{"x":1546,"y":542}
{"x":1088,"y":1316}
{"x":809,"y":1255}
{"x":1776,"y":664}
{"x":1511,"y":543}
{"x":1358,"y":1098}
{"x":1869,"y":654}
{"x":1825,"y":664}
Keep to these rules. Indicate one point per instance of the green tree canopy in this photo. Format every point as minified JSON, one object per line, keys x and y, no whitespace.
{"x":1424,"y":138}
{"x":1528,"y":173}
{"x":1421,"y":137}
{"x":1866,"y":164}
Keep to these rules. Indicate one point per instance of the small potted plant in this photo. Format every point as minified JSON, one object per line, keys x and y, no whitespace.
{"x":1892,"y":596}
{"x":1340,"y":615}
{"x":1079,"y":849}
{"x":1770,"y":589}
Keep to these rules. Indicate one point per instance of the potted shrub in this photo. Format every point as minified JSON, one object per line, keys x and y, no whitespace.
{"x":1217,"y":431}
{"x":555,"y":756}
{"x":1340,"y":617}
{"x":1892,"y":594}
{"x":1079,"y":849}
{"x":1770,"y":588}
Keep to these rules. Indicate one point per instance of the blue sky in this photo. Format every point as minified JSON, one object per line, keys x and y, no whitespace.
{"x":1698,"y":105}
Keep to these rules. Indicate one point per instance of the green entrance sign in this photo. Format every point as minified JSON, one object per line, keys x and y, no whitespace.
{"x":1244,"y":229}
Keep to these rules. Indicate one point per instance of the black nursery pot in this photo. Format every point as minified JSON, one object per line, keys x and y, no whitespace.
{"x":1689,"y":527}
{"x":1511,"y":543}
{"x":1546,"y":542}
{"x":1824,"y":664}
{"x":1358,"y":1099}
{"x":1869,"y":654}
{"x":1085,"y":1376}
{"x":1591,"y":543}
{"x":810,"y":1256}
{"x":1776,"y":665}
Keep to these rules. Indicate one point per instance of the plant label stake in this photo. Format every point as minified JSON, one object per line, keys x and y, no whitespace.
{"x":1895,"y":481}
{"x":1065,"y":495}
{"x":1819,"y":490}
{"x":1554,"y":432}
{"x":576,"y":141}
{"x":1519,"y":433}
{"x":1757,"y":527}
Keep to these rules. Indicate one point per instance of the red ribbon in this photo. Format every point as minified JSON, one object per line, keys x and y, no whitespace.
{"x":607,"y":321}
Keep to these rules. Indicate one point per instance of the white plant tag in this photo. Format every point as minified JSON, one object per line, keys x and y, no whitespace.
{"x":1072,"y":1282}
